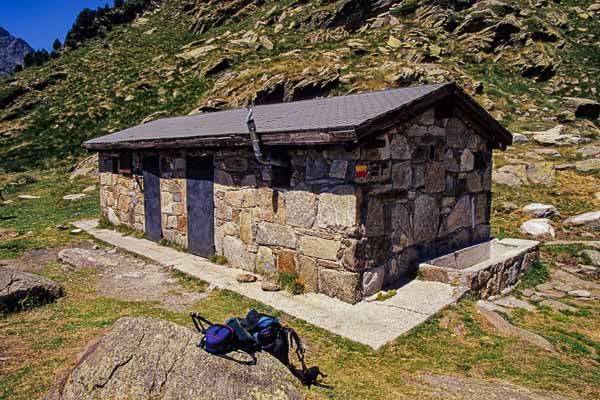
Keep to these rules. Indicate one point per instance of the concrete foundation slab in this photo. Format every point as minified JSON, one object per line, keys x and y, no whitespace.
{"x":371,"y":323}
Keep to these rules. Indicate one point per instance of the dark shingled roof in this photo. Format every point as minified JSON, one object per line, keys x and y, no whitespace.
{"x":332,"y":114}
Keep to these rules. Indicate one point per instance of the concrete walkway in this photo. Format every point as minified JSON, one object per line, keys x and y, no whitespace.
{"x":370,"y":323}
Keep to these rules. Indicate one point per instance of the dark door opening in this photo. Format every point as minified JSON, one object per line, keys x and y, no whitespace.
{"x":152,"y":213}
{"x":200,"y":206}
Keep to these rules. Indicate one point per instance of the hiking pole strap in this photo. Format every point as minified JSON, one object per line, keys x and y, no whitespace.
{"x":197,"y":319}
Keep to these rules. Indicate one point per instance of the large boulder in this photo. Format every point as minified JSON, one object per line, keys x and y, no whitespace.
{"x":20,"y":289}
{"x":144,"y":358}
{"x":583,"y":108}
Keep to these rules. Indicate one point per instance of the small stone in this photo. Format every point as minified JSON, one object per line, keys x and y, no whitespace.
{"x":593,"y":256}
{"x":540,"y":210}
{"x":592,"y":164}
{"x":552,"y":294}
{"x":246,"y":278}
{"x":76,"y":231}
{"x":513,"y":302}
{"x":538,"y":228}
{"x":557,"y":305}
{"x":488,"y":305}
{"x":89,"y":189}
{"x":509,"y":206}
{"x":270,"y":286}
{"x":591,"y":219}
{"x":75,"y":197}
{"x":393,"y":42}
{"x":563,"y":287}
{"x":28,"y":197}
{"x":580,"y":293}
{"x":528,"y":292}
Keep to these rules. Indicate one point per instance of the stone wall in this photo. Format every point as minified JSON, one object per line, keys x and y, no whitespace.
{"x":303,"y":229}
{"x":488,"y":269}
{"x":427,"y":191}
{"x":121,"y":197}
{"x":350,"y":220}
{"x":173,"y":197}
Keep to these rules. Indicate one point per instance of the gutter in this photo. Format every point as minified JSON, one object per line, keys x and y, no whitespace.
{"x":256,"y":144}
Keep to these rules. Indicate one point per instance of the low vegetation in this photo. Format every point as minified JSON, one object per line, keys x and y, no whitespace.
{"x":39,"y":345}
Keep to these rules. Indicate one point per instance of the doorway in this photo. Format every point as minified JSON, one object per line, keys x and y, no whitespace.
{"x":152,"y":213}
{"x":200,"y":205}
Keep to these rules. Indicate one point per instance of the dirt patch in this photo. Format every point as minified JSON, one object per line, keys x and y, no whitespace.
{"x":33,"y":260}
{"x":450,"y":387}
{"x":124,"y":277}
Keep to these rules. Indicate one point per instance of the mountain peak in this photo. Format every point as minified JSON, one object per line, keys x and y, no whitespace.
{"x":12,"y":51}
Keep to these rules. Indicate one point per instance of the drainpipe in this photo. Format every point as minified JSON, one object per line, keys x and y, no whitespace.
{"x":256,"y":144}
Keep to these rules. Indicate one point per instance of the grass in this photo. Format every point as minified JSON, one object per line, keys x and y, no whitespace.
{"x":42,"y":223}
{"x":40,"y":344}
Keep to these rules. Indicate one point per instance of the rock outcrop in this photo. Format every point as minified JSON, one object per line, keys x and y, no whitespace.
{"x":145,"y":358}
{"x":20,"y":289}
{"x":12,"y":52}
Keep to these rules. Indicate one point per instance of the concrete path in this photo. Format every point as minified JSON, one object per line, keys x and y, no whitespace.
{"x":370,"y":323}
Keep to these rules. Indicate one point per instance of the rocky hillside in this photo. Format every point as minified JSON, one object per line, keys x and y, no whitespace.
{"x":521,"y":59}
{"x":12,"y":51}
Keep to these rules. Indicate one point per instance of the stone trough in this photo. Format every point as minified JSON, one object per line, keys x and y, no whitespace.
{"x":485,"y":269}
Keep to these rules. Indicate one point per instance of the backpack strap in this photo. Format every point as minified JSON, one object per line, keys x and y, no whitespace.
{"x":197,"y":319}
{"x":295,"y":341}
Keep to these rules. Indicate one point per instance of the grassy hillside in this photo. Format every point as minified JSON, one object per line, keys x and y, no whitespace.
{"x":519,"y":60}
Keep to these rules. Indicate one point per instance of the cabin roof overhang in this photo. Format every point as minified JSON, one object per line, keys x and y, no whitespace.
{"x":379,"y":110}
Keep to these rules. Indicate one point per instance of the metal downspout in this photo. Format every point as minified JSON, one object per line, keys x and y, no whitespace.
{"x":256,"y":144}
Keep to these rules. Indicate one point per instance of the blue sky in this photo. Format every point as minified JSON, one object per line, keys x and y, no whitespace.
{"x":39,"y":22}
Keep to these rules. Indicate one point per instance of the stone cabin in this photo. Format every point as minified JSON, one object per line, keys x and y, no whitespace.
{"x":348,"y":192}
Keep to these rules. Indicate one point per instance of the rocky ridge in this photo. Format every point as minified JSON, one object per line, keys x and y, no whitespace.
{"x":198,"y":56}
{"x":12,"y":52}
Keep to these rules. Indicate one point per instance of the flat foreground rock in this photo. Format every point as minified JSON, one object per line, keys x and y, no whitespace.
{"x":144,"y":358}
{"x":17,"y":288}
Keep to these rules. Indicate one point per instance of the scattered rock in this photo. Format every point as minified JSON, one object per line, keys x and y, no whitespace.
{"x":86,"y":167}
{"x":270,"y":286}
{"x":506,"y":328}
{"x":580,"y":293}
{"x":79,"y":258}
{"x":592,"y":164}
{"x":510,"y":175}
{"x":591,"y":219}
{"x":75,"y":197}
{"x":556,"y":136}
{"x":76,"y":231}
{"x":539,"y":228}
{"x":18,"y":288}
{"x":520,"y":138}
{"x":557,"y":305}
{"x":89,"y":189}
{"x":488,"y":305}
{"x":583,"y":108}
{"x":540,"y":210}
{"x":394,"y":43}
{"x":132,"y":275}
{"x":28,"y":197}
{"x":513,"y":302}
{"x":146,"y":358}
{"x":591,"y":150}
{"x":552,"y":294}
{"x":246,"y":278}
{"x":528,"y":292}
{"x":593,"y":256}
{"x":541,"y":173}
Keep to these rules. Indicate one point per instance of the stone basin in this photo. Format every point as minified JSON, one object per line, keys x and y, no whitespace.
{"x":485,"y":269}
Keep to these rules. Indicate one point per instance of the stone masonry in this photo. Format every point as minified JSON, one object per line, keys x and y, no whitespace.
{"x":351,"y":220}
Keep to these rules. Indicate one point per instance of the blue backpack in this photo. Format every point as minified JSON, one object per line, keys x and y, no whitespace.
{"x":222,"y":339}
